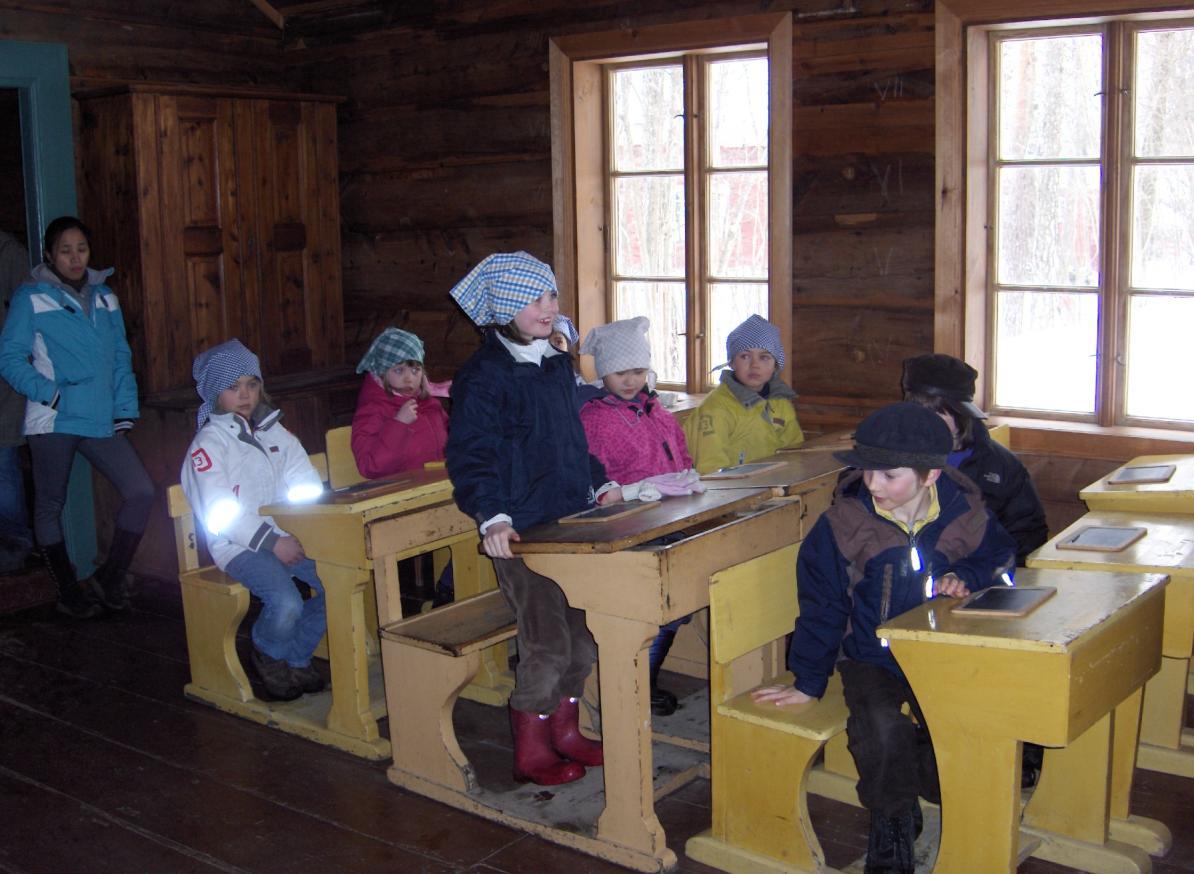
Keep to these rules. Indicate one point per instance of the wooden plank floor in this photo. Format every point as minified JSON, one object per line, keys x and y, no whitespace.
{"x":104,"y":766}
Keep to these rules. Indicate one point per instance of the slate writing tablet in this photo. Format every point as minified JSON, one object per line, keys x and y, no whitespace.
{"x":1102,"y":538}
{"x":1148,"y":473}
{"x":1004,"y":601}
{"x":740,"y":471}
{"x":605,"y":512}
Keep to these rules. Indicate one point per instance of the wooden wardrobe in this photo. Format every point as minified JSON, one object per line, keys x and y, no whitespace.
{"x":220,"y":211}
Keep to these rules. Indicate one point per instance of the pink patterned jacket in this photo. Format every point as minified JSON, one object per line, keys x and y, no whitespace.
{"x":634,"y":439}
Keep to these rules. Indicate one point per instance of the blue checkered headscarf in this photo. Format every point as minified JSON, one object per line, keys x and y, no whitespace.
{"x":392,"y":346}
{"x":219,"y":368}
{"x":501,"y":285}
{"x":756,"y":333}
{"x":564,"y":325}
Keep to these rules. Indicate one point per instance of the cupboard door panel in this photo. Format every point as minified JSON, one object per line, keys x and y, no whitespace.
{"x":202,"y":269}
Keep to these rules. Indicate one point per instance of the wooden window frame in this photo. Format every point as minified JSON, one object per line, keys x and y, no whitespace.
{"x":961,"y":255}
{"x":579,"y":193}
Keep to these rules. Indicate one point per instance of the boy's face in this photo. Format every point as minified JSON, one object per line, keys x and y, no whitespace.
{"x":753,"y":368}
{"x":242,"y":397}
{"x":899,"y":489}
{"x":626,"y":384}
{"x":405,"y":378}
{"x":534,"y":321}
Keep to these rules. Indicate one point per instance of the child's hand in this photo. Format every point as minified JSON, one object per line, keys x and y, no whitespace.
{"x":408,"y":412}
{"x":497,"y":540}
{"x":613,"y":496}
{"x":780,"y":696}
{"x":950,"y":585}
{"x":288,"y":550}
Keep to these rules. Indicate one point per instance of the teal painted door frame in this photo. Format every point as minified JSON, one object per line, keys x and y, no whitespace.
{"x":41,"y":75}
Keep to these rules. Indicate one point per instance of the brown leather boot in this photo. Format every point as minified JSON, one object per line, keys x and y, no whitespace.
{"x":74,"y":600}
{"x":534,"y":759}
{"x":566,"y":738}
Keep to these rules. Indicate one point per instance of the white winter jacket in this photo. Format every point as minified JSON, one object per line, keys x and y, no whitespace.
{"x":231,"y":471}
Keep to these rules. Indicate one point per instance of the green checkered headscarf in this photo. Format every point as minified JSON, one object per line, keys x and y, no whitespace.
{"x":392,"y":346}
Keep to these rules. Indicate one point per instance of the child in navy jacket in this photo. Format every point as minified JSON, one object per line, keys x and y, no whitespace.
{"x":903,"y":528}
{"x":517,"y":456}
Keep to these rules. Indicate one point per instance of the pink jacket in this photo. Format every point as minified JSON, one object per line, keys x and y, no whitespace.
{"x":634,"y":439}
{"x":382,"y":445}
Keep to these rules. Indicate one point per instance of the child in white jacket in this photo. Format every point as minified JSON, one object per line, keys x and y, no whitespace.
{"x":240,"y":459}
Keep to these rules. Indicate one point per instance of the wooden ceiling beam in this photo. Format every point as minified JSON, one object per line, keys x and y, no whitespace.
{"x":270,"y":12}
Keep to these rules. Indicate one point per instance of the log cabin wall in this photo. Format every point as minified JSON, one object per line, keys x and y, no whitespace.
{"x":445,"y":156}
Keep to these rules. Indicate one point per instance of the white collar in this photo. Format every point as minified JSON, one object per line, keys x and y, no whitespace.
{"x":532,"y":353}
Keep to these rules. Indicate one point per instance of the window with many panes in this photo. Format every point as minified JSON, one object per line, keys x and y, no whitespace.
{"x":1089,"y":220}
{"x":673,"y":194}
{"x":719,"y":102}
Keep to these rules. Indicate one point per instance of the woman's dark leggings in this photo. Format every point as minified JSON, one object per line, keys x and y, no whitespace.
{"x":53,"y":456}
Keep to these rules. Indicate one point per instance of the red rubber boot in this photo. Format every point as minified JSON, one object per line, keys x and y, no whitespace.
{"x":534,"y":760}
{"x":566,"y":738}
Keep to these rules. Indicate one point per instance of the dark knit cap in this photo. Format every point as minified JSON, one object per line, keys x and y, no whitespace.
{"x":943,"y":376}
{"x":900,"y":435}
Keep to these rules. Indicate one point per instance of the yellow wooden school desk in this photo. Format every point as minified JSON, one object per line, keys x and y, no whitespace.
{"x":628,"y":586}
{"x":367,"y":528}
{"x":1054,"y":677}
{"x":1166,"y":744}
{"x":1175,"y":495}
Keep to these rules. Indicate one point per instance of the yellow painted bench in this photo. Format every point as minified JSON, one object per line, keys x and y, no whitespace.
{"x":427,"y":660}
{"x":761,"y":754}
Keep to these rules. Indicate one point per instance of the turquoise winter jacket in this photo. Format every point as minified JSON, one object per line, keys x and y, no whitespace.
{"x":73,"y":364}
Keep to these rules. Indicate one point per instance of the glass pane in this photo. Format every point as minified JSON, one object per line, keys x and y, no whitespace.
{"x":648,"y":107}
{"x":731,"y":304}
{"x":1045,"y":351}
{"x":663,"y":304}
{"x":738,"y":113}
{"x":1164,"y":93}
{"x":649,"y":225}
{"x":738,"y":225}
{"x":1163,"y":226}
{"x":1158,"y":353}
{"x":1050,"y":97}
{"x":1048,"y":226}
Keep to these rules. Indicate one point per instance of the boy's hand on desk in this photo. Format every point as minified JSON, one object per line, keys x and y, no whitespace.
{"x":950,"y":585}
{"x":288,"y":550}
{"x":780,"y":696}
{"x":497,"y":540}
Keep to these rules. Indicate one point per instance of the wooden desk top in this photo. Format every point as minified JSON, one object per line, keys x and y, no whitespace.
{"x":797,"y":469}
{"x":1176,"y":495}
{"x":1084,"y":600}
{"x":370,"y":497}
{"x":664,"y":517}
{"x":1168,"y":547}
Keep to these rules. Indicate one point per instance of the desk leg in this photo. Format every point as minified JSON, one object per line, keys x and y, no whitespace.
{"x":345,"y":590}
{"x":629,"y":816}
{"x":980,"y":800}
{"x":1070,"y":810}
{"x":1164,"y":745}
{"x":1150,"y":835}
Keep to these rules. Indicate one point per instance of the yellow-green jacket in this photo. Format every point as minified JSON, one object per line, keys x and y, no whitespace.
{"x":735,"y":424}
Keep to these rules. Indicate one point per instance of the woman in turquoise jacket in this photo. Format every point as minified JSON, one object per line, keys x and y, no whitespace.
{"x":63,"y":347}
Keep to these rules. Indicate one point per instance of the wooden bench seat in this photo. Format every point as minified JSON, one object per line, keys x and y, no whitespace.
{"x":427,"y":660}
{"x":761,"y":754}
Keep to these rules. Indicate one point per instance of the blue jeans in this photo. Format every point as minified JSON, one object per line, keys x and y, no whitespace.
{"x":288,"y":627}
{"x":14,"y":516}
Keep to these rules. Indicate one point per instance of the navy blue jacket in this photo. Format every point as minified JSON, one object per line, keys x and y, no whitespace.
{"x":855,"y":571}
{"x":1008,"y":491}
{"x":515,"y":442}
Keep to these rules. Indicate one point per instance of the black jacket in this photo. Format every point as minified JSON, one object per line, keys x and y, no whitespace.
{"x":1007,"y":491}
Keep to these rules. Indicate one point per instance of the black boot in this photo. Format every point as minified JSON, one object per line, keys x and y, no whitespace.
{"x":890,"y":847}
{"x":108,"y":583}
{"x":276,"y":676}
{"x":73,"y":600}
{"x":663,"y":702}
